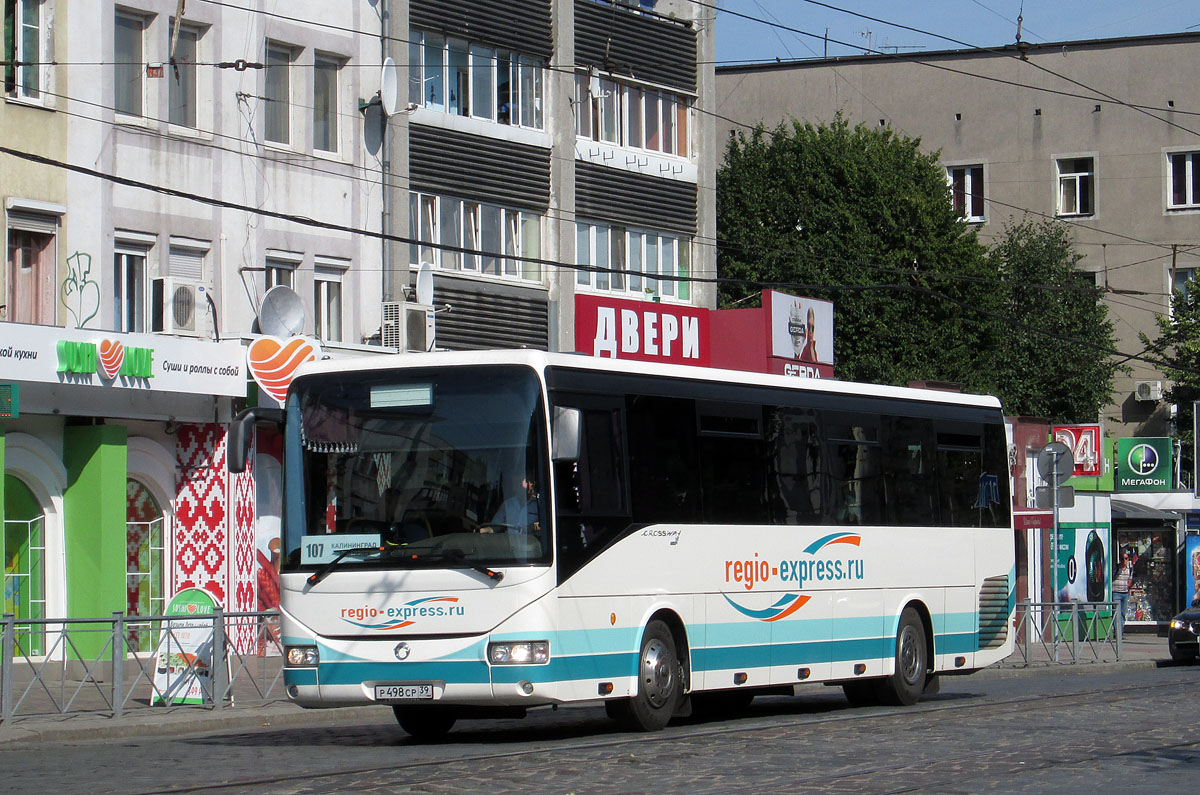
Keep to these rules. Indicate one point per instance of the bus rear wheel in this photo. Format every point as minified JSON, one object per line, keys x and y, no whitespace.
{"x":424,"y":723}
{"x":660,"y":684}
{"x":907,"y":682}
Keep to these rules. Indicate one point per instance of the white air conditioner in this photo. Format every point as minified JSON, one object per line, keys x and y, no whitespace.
{"x":407,"y":326}
{"x":1148,"y":390}
{"x":178,"y":306}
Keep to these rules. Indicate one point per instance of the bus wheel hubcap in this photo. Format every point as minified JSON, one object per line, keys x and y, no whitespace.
{"x":657,"y":678}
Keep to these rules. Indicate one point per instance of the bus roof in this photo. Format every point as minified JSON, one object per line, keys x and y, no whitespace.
{"x":540,"y":361}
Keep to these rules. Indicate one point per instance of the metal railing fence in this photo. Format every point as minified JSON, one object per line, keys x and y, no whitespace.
{"x":99,"y":665}
{"x":1067,"y":633}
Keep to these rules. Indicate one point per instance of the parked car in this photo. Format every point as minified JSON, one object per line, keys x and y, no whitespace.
{"x":1182,"y":635}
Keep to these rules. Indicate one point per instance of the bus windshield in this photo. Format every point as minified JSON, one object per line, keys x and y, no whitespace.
{"x":416,"y":468}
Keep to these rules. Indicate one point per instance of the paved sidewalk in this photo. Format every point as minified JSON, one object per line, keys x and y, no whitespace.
{"x":1139,"y":651}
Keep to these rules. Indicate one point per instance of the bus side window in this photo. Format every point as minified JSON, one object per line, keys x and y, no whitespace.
{"x":592,"y":492}
{"x":795,"y":466}
{"x":854,"y":487}
{"x":732,"y":477}
{"x":662,"y":460}
{"x":962,"y":467}
{"x":908,"y":471}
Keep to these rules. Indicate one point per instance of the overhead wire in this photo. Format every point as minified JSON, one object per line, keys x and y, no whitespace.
{"x":306,"y":221}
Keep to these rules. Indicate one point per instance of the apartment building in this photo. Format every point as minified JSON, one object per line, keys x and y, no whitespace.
{"x":1099,"y":134}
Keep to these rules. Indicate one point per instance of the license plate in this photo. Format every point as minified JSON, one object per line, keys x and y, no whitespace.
{"x":403,"y":692}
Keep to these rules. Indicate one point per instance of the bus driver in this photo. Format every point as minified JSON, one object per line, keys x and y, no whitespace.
{"x":518,"y":513}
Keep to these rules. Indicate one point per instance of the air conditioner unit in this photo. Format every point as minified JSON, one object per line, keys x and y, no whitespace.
{"x":1148,"y":390}
{"x":178,"y":306}
{"x":407,"y":326}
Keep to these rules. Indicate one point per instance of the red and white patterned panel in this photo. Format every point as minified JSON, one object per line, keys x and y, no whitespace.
{"x":241,"y":553}
{"x":201,"y":531}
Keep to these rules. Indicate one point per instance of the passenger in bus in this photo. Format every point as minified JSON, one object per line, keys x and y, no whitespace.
{"x":518,"y":513}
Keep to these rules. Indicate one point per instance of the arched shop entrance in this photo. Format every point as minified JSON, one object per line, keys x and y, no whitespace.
{"x":24,"y":560}
{"x":145,"y":541}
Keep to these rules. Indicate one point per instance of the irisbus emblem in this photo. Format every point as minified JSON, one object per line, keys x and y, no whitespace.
{"x":757,"y":572}
{"x":383,"y":619}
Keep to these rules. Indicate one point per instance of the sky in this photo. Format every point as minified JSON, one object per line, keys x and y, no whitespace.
{"x":974,"y":23}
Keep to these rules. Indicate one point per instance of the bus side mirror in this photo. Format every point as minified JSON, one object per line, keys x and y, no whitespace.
{"x":241,"y":431}
{"x":566,"y":432}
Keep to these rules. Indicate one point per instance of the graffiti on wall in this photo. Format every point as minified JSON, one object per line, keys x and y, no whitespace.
{"x":80,"y":292}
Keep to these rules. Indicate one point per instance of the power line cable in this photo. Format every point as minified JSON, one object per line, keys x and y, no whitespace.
{"x":314,"y":223}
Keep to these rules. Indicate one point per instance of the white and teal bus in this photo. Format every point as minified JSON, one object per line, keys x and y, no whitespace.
{"x":480,"y":533}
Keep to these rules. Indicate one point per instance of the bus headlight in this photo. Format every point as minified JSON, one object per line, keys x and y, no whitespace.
{"x":529,"y":652}
{"x":302,"y":656}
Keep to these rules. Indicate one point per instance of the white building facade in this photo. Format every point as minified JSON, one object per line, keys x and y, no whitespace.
{"x":166,"y":172}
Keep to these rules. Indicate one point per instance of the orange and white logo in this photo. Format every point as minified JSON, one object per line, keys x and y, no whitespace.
{"x":273,"y":362}
{"x":112,"y":354}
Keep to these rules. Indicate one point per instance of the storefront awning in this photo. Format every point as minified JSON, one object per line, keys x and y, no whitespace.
{"x":1123,"y":509}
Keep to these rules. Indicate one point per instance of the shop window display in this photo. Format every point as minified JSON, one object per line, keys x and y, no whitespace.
{"x":1152,"y":589}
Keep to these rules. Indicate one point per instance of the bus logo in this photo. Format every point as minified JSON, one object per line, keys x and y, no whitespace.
{"x":385,"y":619}
{"x":1143,"y":460}
{"x":787,"y":604}
{"x":796,"y":573}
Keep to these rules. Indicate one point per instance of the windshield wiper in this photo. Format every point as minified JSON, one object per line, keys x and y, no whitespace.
{"x":323,"y":572}
{"x":459,"y":560}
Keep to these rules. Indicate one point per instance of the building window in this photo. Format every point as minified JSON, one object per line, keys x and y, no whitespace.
{"x":1181,"y":278}
{"x":498,"y":241}
{"x":280,"y":268}
{"x":327,"y":304}
{"x":615,"y":259}
{"x":129,"y":290}
{"x":1076,"y":186}
{"x":26,"y":47}
{"x":30,"y":273}
{"x":144,"y":559}
{"x":631,"y":116}
{"x":483,"y":80}
{"x":281,"y":272}
{"x":182,"y":79}
{"x":1185,"y":180}
{"x":966,"y":191}
{"x":185,"y":259}
{"x":128,"y":67}
{"x":325,"y":103}
{"x":278,"y":94}
{"x":470,"y":79}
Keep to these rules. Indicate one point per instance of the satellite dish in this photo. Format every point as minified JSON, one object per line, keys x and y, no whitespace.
{"x":282,"y":312}
{"x":425,"y":284}
{"x":388,"y":86}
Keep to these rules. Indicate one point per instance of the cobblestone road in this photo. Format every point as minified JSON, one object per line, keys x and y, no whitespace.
{"x":1130,"y":731}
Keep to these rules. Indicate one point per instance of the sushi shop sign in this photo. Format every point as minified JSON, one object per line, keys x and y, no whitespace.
{"x":1145,"y":464}
{"x":147,"y":362}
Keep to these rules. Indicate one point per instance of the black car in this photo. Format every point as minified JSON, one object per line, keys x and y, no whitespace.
{"x":1182,"y":635}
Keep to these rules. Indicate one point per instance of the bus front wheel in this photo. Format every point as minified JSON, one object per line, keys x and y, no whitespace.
{"x":907,"y":682}
{"x":660,"y":684}
{"x":424,"y":723}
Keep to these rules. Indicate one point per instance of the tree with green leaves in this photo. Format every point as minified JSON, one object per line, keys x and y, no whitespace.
{"x":1177,"y":353}
{"x":1054,"y":357}
{"x":862,"y":217}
